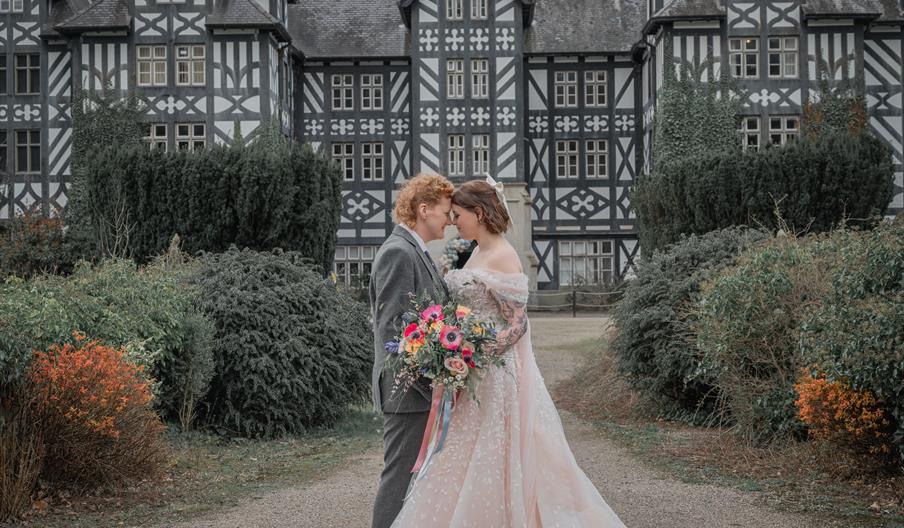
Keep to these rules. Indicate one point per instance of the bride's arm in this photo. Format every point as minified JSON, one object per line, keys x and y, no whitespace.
{"x":514,"y":313}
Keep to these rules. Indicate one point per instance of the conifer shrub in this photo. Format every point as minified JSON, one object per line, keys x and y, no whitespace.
{"x":96,"y":409}
{"x":270,"y":193}
{"x":292,"y":352}
{"x":814,"y":183}
{"x":654,"y":344}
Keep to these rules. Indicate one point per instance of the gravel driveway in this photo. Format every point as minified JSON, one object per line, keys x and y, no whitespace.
{"x":641,"y":496}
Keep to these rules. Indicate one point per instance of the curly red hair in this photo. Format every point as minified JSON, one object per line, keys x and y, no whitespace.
{"x":423,"y":188}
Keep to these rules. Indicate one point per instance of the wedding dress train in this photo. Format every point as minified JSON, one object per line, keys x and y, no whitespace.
{"x":506,"y":462}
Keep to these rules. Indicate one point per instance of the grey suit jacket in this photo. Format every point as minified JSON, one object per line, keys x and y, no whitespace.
{"x":399,"y":268}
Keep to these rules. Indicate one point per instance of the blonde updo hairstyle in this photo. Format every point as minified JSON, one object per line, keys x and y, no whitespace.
{"x":423,"y":188}
{"x":480,"y":198}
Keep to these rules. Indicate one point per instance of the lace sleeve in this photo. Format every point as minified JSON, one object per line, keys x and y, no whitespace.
{"x":514,"y":312}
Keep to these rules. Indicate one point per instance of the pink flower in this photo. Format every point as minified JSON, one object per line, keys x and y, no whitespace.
{"x":409,"y":329}
{"x":450,"y":337}
{"x":456,"y":366}
{"x":467,"y":354}
{"x":433,"y":314}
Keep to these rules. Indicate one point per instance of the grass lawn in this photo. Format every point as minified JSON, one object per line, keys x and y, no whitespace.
{"x":209,"y":472}
{"x":799,"y":477}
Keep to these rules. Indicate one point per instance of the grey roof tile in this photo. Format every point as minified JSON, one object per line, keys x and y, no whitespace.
{"x":842,"y":8}
{"x":75,"y":15}
{"x":348,"y":28}
{"x":585,"y":26}
{"x":678,"y":9}
{"x":244,"y":14}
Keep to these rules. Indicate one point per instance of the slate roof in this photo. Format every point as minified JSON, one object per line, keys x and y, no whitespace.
{"x":73,"y":16}
{"x":582,"y":26}
{"x":243,"y":14}
{"x":348,"y":28}
{"x":843,"y":8}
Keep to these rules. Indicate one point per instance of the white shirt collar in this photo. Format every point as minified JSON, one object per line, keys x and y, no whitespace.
{"x":417,"y":237}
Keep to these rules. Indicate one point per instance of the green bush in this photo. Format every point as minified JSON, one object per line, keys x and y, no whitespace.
{"x":291,"y":351}
{"x":150,"y":312}
{"x":817,"y":183}
{"x":271,"y":193}
{"x":32,"y":244}
{"x":748,"y":330}
{"x":857,"y":335}
{"x":653,"y":345}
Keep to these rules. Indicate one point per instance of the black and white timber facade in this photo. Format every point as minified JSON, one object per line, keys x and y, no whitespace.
{"x":556,"y":98}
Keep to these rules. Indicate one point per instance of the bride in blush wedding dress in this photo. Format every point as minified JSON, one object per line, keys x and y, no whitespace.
{"x":506,"y":462}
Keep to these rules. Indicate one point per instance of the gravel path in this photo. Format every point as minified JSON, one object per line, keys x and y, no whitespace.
{"x":641,"y":496}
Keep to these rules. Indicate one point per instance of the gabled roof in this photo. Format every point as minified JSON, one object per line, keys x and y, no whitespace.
{"x":350,"y":28}
{"x":244,"y":14}
{"x":584,"y":26}
{"x":685,"y":10}
{"x":405,"y":10}
{"x":75,"y":16}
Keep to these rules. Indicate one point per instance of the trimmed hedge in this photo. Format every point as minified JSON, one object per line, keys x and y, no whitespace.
{"x":271,"y":193}
{"x":292,"y":352}
{"x":817,"y":183}
{"x":654,"y":317}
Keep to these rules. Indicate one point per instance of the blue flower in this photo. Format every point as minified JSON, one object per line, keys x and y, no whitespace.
{"x":392,"y":347}
{"x":423,"y":370}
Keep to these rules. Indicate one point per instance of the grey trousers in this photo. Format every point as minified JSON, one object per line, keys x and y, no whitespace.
{"x":402,"y":436}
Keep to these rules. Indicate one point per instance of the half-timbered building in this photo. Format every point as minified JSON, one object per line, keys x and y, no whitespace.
{"x":554,"y":98}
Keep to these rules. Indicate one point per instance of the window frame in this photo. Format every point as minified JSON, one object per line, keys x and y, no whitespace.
{"x":480,"y":154}
{"x":784,"y":55}
{"x":744,"y":56}
{"x":4,"y":151}
{"x":592,"y":255}
{"x":372,"y":158}
{"x":596,"y":158}
{"x":568,"y":159}
{"x":455,"y":78}
{"x":193,"y":139}
{"x":32,"y":149}
{"x":153,"y":139}
{"x":480,"y":10}
{"x":346,"y":159}
{"x":193,"y":64}
{"x":372,"y":91}
{"x":31,"y":71}
{"x":342,"y":92}
{"x":595,"y":88}
{"x":785,"y":133}
{"x":455,"y":10}
{"x":455,"y":155}
{"x":362,"y":256}
{"x":156,"y":64}
{"x":565,"y":88}
{"x":480,"y":78}
{"x":748,"y":133}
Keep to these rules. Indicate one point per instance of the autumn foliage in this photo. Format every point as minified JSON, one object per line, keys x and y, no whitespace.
{"x":96,"y":407}
{"x":837,"y":413}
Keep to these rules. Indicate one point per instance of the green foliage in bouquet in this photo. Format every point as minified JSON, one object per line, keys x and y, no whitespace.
{"x":292,"y":352}
{"x":654,"y":347}
{"x":444,"y":343}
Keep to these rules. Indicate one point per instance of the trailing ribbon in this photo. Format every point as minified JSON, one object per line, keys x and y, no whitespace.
{"x":437,"y":428}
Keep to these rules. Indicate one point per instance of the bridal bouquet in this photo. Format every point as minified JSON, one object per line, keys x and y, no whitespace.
{"x":448,"y":345}
{"x":444,"y":343}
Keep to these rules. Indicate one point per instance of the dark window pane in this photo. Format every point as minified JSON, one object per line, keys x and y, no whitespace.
{"x":21,"y":158}
{"x":21,"y":82}
{"x":35,"y":80}
{"x":35,"y":158}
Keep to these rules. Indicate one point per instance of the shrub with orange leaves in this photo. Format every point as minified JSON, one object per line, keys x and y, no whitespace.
{"x":97,"y":408}
{"x":835,"y":412}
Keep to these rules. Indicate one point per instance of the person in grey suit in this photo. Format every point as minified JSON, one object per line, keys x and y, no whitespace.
{"x":402,"y":266}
